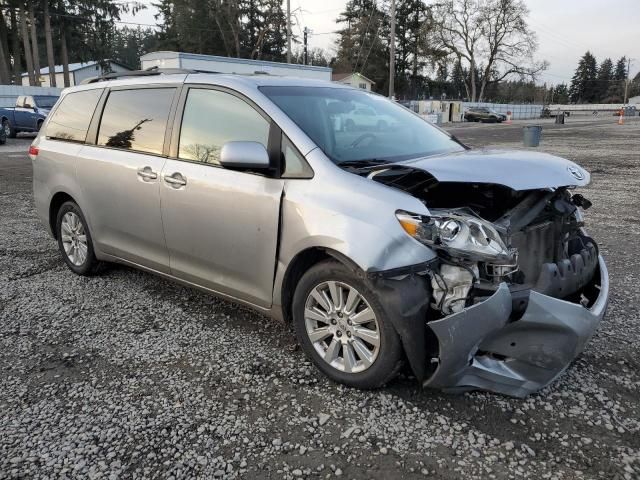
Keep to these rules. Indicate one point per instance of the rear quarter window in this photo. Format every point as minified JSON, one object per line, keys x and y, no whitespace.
{"x":71,"y":119}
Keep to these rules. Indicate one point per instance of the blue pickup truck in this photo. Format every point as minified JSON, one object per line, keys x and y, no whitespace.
{"x":28,"y":114}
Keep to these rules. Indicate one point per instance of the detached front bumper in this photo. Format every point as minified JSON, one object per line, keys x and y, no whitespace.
{"x":481,"y":348}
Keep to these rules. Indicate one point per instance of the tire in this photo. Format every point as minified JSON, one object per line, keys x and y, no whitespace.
{"x":3,"y":136}
{"x":81,"y":261}
{"x":8,"y":128}
{"x":367,"y":369}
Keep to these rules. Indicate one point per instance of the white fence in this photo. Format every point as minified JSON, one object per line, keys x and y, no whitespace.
{"x":9,"y":93}
{"x":518,"y":111}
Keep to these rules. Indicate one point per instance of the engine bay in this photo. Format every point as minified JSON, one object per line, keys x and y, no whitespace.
{"x":488,"y":234}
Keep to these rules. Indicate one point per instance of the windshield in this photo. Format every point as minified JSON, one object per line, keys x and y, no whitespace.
{"x":45,"y":101}
{"x":351,"y":125}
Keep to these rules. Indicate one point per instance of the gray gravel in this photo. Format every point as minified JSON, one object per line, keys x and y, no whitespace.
{"x":125,"y":375}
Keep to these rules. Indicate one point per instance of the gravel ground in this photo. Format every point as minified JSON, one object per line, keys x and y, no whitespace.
{"x":125,"y":375}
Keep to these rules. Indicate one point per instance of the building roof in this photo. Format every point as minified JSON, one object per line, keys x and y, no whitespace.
{"x":338,"y":77}
{"x":74,"y":67}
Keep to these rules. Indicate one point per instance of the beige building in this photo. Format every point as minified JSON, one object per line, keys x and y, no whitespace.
{"x":356,"y":80}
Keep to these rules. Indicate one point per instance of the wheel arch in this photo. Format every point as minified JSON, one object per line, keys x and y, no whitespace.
{"x":54,"y":206}
{"x":300,"y":264}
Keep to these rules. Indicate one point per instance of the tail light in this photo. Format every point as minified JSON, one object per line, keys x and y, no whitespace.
{"x":33,"y":152}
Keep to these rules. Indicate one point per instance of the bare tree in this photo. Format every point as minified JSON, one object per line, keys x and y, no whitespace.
{"x":490,"y":37}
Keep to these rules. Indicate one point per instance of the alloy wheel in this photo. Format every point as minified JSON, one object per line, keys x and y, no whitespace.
{"x":74,"y":238}
{"x":342,"y":327}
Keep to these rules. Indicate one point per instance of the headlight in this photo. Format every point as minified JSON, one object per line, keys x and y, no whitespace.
{"x":459,"y":234}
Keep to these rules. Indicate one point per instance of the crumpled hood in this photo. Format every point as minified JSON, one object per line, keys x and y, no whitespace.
{"x":516,"y":169}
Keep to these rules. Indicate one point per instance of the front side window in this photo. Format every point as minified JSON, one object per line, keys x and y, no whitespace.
{"x":212,"y":118}
{"x":351,"y":125}
{"x":71,"y":119}
{"x":136,"y":119}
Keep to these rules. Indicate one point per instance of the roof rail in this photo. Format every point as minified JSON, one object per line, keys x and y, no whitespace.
{"x":143,"y":73}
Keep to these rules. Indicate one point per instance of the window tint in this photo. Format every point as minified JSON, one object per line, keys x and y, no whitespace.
{"x":136,"y":119}
{"x":212,"y":118}
{"x":295,"y":166}
{"x":71,"y":119}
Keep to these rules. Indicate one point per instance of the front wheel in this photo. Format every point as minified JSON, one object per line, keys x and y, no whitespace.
{"x":344,"y":329}
{"x":8,"y":129}
{"x":74,"y":240}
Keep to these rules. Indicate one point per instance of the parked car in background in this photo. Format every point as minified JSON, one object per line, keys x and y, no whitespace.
{"x":483,"y":114}
{"x":362,"y":117}
{"x":28,"y":115}
{"x":378,"y":245}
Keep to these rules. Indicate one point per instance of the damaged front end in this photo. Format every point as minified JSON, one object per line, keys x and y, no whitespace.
{"x":517,"y":289}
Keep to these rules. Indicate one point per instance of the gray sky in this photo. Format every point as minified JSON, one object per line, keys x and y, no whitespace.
{"x":565,"y":29}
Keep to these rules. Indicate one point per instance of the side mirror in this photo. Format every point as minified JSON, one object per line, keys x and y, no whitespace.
{"x":250,"y":155}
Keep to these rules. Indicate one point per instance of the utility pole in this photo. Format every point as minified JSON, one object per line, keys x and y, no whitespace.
{"x":288,"y":31}
{"x":392,"y":50}
{"x":305,"y":32}
{"x":626,"y":83}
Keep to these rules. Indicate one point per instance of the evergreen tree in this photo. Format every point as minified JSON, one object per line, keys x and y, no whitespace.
{"x":605,"y":75}
{"x":459,"y":78}
{"x":616,"y":87}
{"x":560,"y":94}
{"x":583,"y":84}
{"x":361,"y":42}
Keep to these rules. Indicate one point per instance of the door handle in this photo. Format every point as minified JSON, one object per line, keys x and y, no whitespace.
{"x":147,"y":174}
{"x":176,"y":180}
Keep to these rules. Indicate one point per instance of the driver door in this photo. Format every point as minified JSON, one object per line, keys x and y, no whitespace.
{"x":220,"y":225}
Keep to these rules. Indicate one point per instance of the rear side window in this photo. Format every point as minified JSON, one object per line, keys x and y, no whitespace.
{"x":212,"y":118}
{"x":136,"y":119}
{"x":71,"y":119}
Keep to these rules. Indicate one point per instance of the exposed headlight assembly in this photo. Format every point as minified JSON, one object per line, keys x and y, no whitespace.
{"x":459,"y":234}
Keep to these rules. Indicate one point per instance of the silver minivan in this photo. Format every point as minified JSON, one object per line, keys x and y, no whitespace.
{"x":384,"y":244}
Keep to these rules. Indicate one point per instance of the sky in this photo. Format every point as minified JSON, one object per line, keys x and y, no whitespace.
{"x":566,"y":29}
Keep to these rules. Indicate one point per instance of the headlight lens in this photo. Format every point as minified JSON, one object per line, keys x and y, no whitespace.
{"x":459,"y":234}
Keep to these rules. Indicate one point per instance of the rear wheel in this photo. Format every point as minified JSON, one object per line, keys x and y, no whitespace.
{"x":343,"y":328}
{"x":74,"y":240}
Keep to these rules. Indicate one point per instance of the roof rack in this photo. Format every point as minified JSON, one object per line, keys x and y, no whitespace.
{"x":143,"y":73}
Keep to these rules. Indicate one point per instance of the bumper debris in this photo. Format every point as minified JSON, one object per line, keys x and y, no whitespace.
{"x":482,"y":347}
